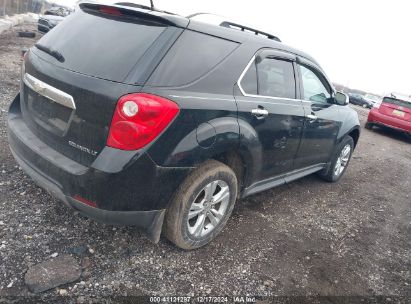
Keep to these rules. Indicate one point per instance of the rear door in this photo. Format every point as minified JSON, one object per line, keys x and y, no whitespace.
{"x":75,"y":75}
{"x":268,"y":105}
{"x":322,"y":123}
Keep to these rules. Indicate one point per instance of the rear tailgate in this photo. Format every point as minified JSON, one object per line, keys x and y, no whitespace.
{"x":75,"y":75}
{"x":396,"y":108}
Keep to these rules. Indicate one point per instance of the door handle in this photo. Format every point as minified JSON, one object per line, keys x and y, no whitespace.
{"x":259,"y":113}
{"x":312,"y":117}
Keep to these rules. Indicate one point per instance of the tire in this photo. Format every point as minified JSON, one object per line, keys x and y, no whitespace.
{"x":191,"y":197}
{"x":331,"y":174}
{"x":368,"y":125}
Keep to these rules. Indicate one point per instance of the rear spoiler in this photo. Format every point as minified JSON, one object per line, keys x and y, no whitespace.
{"x":136,"y":12}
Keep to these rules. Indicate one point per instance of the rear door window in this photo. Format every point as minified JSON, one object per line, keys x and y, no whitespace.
{"x":276,"y":78}
{"x":249,"y":81}
{"x":270,"y":77}
{"x":100,"y":45}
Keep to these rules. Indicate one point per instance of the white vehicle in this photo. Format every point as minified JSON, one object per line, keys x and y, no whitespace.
{"x":375,"y":100}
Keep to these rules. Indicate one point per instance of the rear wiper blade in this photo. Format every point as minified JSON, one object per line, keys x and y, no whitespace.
{"x":50,"y":51}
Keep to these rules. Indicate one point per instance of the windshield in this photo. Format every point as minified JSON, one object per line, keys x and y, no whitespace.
{"x":397,"y":102}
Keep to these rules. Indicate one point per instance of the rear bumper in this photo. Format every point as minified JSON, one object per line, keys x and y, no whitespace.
{"x":377,"y":118}
{"x":150,"y":221}
{"x":124,"y":188}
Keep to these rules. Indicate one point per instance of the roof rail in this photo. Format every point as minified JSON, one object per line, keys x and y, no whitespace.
{"x":221,"y":21}
{"x":244,"y":28}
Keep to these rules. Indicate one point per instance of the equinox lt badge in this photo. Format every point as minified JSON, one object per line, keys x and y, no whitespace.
{"x":84,"y":149}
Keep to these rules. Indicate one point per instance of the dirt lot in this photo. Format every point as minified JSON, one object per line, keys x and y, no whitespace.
{"x":306,"y":238}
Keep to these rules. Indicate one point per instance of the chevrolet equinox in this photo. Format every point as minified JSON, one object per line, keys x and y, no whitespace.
{"x":140,"y":117}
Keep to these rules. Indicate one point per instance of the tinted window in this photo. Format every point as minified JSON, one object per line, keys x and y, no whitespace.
{"x":275,"y":78}
{"x":397,"y":102}
{"x":99,"y":45}
{"x":314,"y":88}
{"x":192,"y":56}
{"x":249,"y":81}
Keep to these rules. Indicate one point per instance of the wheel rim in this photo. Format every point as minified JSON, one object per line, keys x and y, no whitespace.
{"x":342,"y":160}
{"x":208,"y":208}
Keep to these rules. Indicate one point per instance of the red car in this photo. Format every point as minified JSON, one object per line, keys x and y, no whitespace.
{"x":393,"y":113}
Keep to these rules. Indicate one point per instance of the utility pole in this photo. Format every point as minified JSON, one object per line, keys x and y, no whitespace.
{"x":4,"y":7}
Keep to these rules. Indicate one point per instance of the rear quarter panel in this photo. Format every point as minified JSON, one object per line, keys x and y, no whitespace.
{"x":207,"y":123}
{"x":206,"y":126}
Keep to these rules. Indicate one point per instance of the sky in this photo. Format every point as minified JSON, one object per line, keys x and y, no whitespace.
{"x":363,"y":44}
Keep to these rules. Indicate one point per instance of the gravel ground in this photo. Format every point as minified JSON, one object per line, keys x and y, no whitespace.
{"x":307,"y":238}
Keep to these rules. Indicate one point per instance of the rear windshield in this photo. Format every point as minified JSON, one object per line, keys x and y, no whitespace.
{"x":100,"y":45}
{"x":397,"y":102}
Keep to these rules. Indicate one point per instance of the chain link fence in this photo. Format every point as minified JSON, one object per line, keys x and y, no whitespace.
{"x":12,"y":7}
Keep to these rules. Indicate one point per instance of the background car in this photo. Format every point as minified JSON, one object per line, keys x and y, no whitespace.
{"x":393,"y":113}
{"x":374,"y":99}
{"x":51,"y":18}
{"x":58,"y":11}
{"x":359,"y":100}
{"x":48,"y":22}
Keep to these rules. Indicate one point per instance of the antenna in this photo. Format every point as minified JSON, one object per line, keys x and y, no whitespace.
{"x":152,"y":5}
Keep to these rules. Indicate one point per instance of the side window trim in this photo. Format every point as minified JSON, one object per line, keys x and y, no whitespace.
{"x":247,"y":67}
{"x":298,"y":82}
{"x":274,"y":55}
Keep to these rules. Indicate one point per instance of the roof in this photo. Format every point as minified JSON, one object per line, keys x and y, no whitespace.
{"x":236,"y":25}
{"x":257,"y":41}
{"x":211,"y":28}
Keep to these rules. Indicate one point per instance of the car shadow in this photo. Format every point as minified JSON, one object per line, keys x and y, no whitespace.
{"x":395,"y":134}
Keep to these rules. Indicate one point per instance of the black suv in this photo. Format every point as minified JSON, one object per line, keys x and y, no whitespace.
{"x":145,"y":118}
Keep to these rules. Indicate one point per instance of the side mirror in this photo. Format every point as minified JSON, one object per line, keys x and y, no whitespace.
{"x":341,"y":99}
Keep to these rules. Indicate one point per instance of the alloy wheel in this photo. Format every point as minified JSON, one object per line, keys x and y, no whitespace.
{"x":208,"y":208}
{"x":342,"y":160}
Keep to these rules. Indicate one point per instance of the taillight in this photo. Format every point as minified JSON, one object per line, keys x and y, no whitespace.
{"x":138,"y":119}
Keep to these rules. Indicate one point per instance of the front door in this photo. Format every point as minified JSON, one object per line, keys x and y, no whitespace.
{"x":267,"y":105}
{"x":322,"y":123}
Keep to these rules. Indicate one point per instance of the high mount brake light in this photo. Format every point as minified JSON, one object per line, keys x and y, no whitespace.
{"x":110,"y":10}
{"x":138,"y":119}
